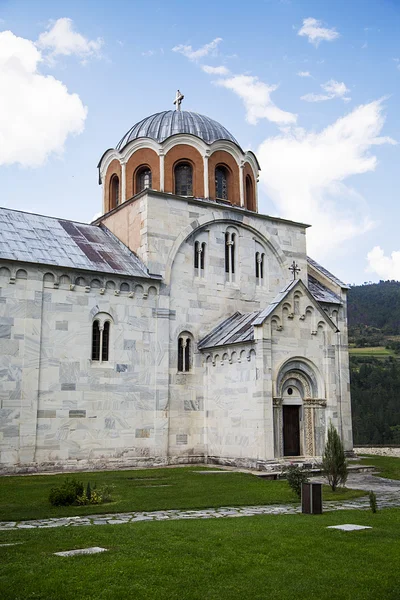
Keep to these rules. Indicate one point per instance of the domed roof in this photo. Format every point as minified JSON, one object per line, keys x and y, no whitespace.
{"x":162,"y":125}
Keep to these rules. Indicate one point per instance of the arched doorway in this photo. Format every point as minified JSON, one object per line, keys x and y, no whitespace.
{"x":292,"y":409}
{"x":299,"y":410}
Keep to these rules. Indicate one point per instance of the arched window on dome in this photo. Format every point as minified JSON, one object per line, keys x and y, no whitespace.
{"x":143,"y":179}
{"x":114,"y":191}
{"x":221,"y":183}
{"x":183,"y":173}
{"x":250,"y":203}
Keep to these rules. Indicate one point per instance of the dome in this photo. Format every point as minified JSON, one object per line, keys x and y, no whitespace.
{"x":162,"y":125}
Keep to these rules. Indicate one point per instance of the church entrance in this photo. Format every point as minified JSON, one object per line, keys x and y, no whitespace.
{"x":291,"y":430}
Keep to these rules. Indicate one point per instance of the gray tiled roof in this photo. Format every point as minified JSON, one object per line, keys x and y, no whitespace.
{"x":321,"y":293}
{"x":163,"y":125}
{"x":325,"y":272}
{"x":31,"y":238}
{"x":239,"y":327}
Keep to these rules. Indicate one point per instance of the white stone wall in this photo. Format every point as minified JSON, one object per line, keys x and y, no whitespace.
{"x":58,"y":406}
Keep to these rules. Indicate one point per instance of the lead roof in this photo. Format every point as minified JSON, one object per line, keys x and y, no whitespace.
{"x":163,"y":125}
{"x":32,"y":238}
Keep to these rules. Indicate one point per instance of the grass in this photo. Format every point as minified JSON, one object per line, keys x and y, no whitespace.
{"x":388,"y":466}
{"x":275,"y":557}
{"x":26,"y":497}
{"x":377,"y":351}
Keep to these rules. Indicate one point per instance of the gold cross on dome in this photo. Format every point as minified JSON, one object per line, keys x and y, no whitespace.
{"x":178,"y":100}
{"x":294,"y":268}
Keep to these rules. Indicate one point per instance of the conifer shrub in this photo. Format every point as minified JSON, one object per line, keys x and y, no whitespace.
{"x":334,"y":463}
{"x":372,"y":501}
{"x":296,"y":477}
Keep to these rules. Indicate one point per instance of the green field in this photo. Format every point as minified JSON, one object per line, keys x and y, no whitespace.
{"x":387,"y":466}
{"x":276,"y":557}
{"x":26,"y":497}
{"x":377,"y":351}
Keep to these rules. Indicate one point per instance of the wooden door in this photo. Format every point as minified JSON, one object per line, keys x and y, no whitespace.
{"x":291,"y":431}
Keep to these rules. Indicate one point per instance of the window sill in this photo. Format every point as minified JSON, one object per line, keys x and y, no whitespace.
{"x":96,"y":364}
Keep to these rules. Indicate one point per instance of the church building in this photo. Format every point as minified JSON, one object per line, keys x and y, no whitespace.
{"x":182,"y":326}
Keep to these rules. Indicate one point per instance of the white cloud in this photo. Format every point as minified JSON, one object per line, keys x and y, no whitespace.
{"x":149,"y":53}
{"x":333,"y":89}
{"x":315,"y":33}
{"x":256,"y":96}
{"x":304,"y":74}
{"x":195,"y":55}
{"x":37,"y":113}
{"x":386,"y":267}
{"x":61,"y":39}
{"x":304,"y":173}
{"x":215,"y":70}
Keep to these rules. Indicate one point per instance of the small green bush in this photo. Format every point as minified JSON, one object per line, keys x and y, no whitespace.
{"x":372,"y":501}
{"x":296,"y":477}
{"x":67,"y":493}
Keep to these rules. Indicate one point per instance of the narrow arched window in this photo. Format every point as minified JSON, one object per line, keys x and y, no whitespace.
{"x":184,"y":353}
{"x":143,"y":179}
{"x":183,"y":179}
{"x":260,"y":257}
{"x":230,"y":255}
{"x":96,"y":341}
{"x":105,"y":342}
{"x":221,"y":183}
{"x":114,"y":191}
{"x":249,"y":193}
{"x":101,"y":339}
{"x":199,"y":258}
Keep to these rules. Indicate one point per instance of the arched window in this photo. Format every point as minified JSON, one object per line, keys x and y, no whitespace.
{"x":221,"y":183}
{"x":184,"y":353}
{"x":114,"y":191}
{"x":100,"y":340}
{"x":230,"y":255}
{"x":199,"y":258}
{"x":183,"y":179}
{"x":250,"y":204}
{"x":260,"y":257}
{"x":143,"y":179}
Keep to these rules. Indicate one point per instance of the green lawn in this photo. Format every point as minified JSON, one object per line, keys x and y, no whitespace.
{"x":265,"y":557}
{"x":26,"y":497}
{"x":387,"y":466}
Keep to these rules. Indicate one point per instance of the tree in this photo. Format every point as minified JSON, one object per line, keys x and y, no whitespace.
{"x":334,"y":463}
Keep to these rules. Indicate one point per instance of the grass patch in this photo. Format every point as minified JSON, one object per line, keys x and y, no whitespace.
{"x":274,"y":557}
{"x":377,"y":351}
{"x":26,"y":497}
{"x":388,"y":466}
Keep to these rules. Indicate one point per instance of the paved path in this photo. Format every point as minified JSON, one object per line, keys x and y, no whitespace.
{"x":387,"y":491}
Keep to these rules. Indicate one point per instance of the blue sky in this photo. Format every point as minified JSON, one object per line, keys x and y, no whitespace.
{"x":311,"y":87}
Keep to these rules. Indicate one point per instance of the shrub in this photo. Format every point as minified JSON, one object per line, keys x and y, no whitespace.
{"x":106,"y":492}
{"x":372,"y":501}
{"x":334,"y":463}
{"x":67,"y":493}
{"x":296,"y":477}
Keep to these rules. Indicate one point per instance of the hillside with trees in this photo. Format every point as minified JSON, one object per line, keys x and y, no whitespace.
{"x":374,"y":339}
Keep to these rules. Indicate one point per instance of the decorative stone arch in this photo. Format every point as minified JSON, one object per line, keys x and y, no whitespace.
{"x":205,"y":221}
{"x":299,"y":391}
{"x":222,"y":158}
{"x":142,"y":158}
{"x":181,"y":153}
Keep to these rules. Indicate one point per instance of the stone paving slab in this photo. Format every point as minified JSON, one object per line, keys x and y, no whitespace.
{"x":93,"y":550}
{"x":349,"y":527}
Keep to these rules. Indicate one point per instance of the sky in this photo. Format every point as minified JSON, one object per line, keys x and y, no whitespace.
{"x":313,"y":88}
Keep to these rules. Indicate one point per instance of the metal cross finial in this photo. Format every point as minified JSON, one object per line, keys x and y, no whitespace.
{"x":294,"y":269}
{"x":178,"y":100}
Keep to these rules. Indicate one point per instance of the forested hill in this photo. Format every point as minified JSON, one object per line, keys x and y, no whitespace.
{"x":376,"y":305}
{"x":374,"y":336}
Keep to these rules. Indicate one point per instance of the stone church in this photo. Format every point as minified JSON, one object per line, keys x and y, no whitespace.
{"x":181,"y":326}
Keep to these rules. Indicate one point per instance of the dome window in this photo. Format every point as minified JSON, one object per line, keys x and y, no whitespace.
{"x":114,"y":191}
{"x":143,"y":179}
{"x":250,"y":204}
{"x":183,"y":179}
{"x":221,"y":183}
